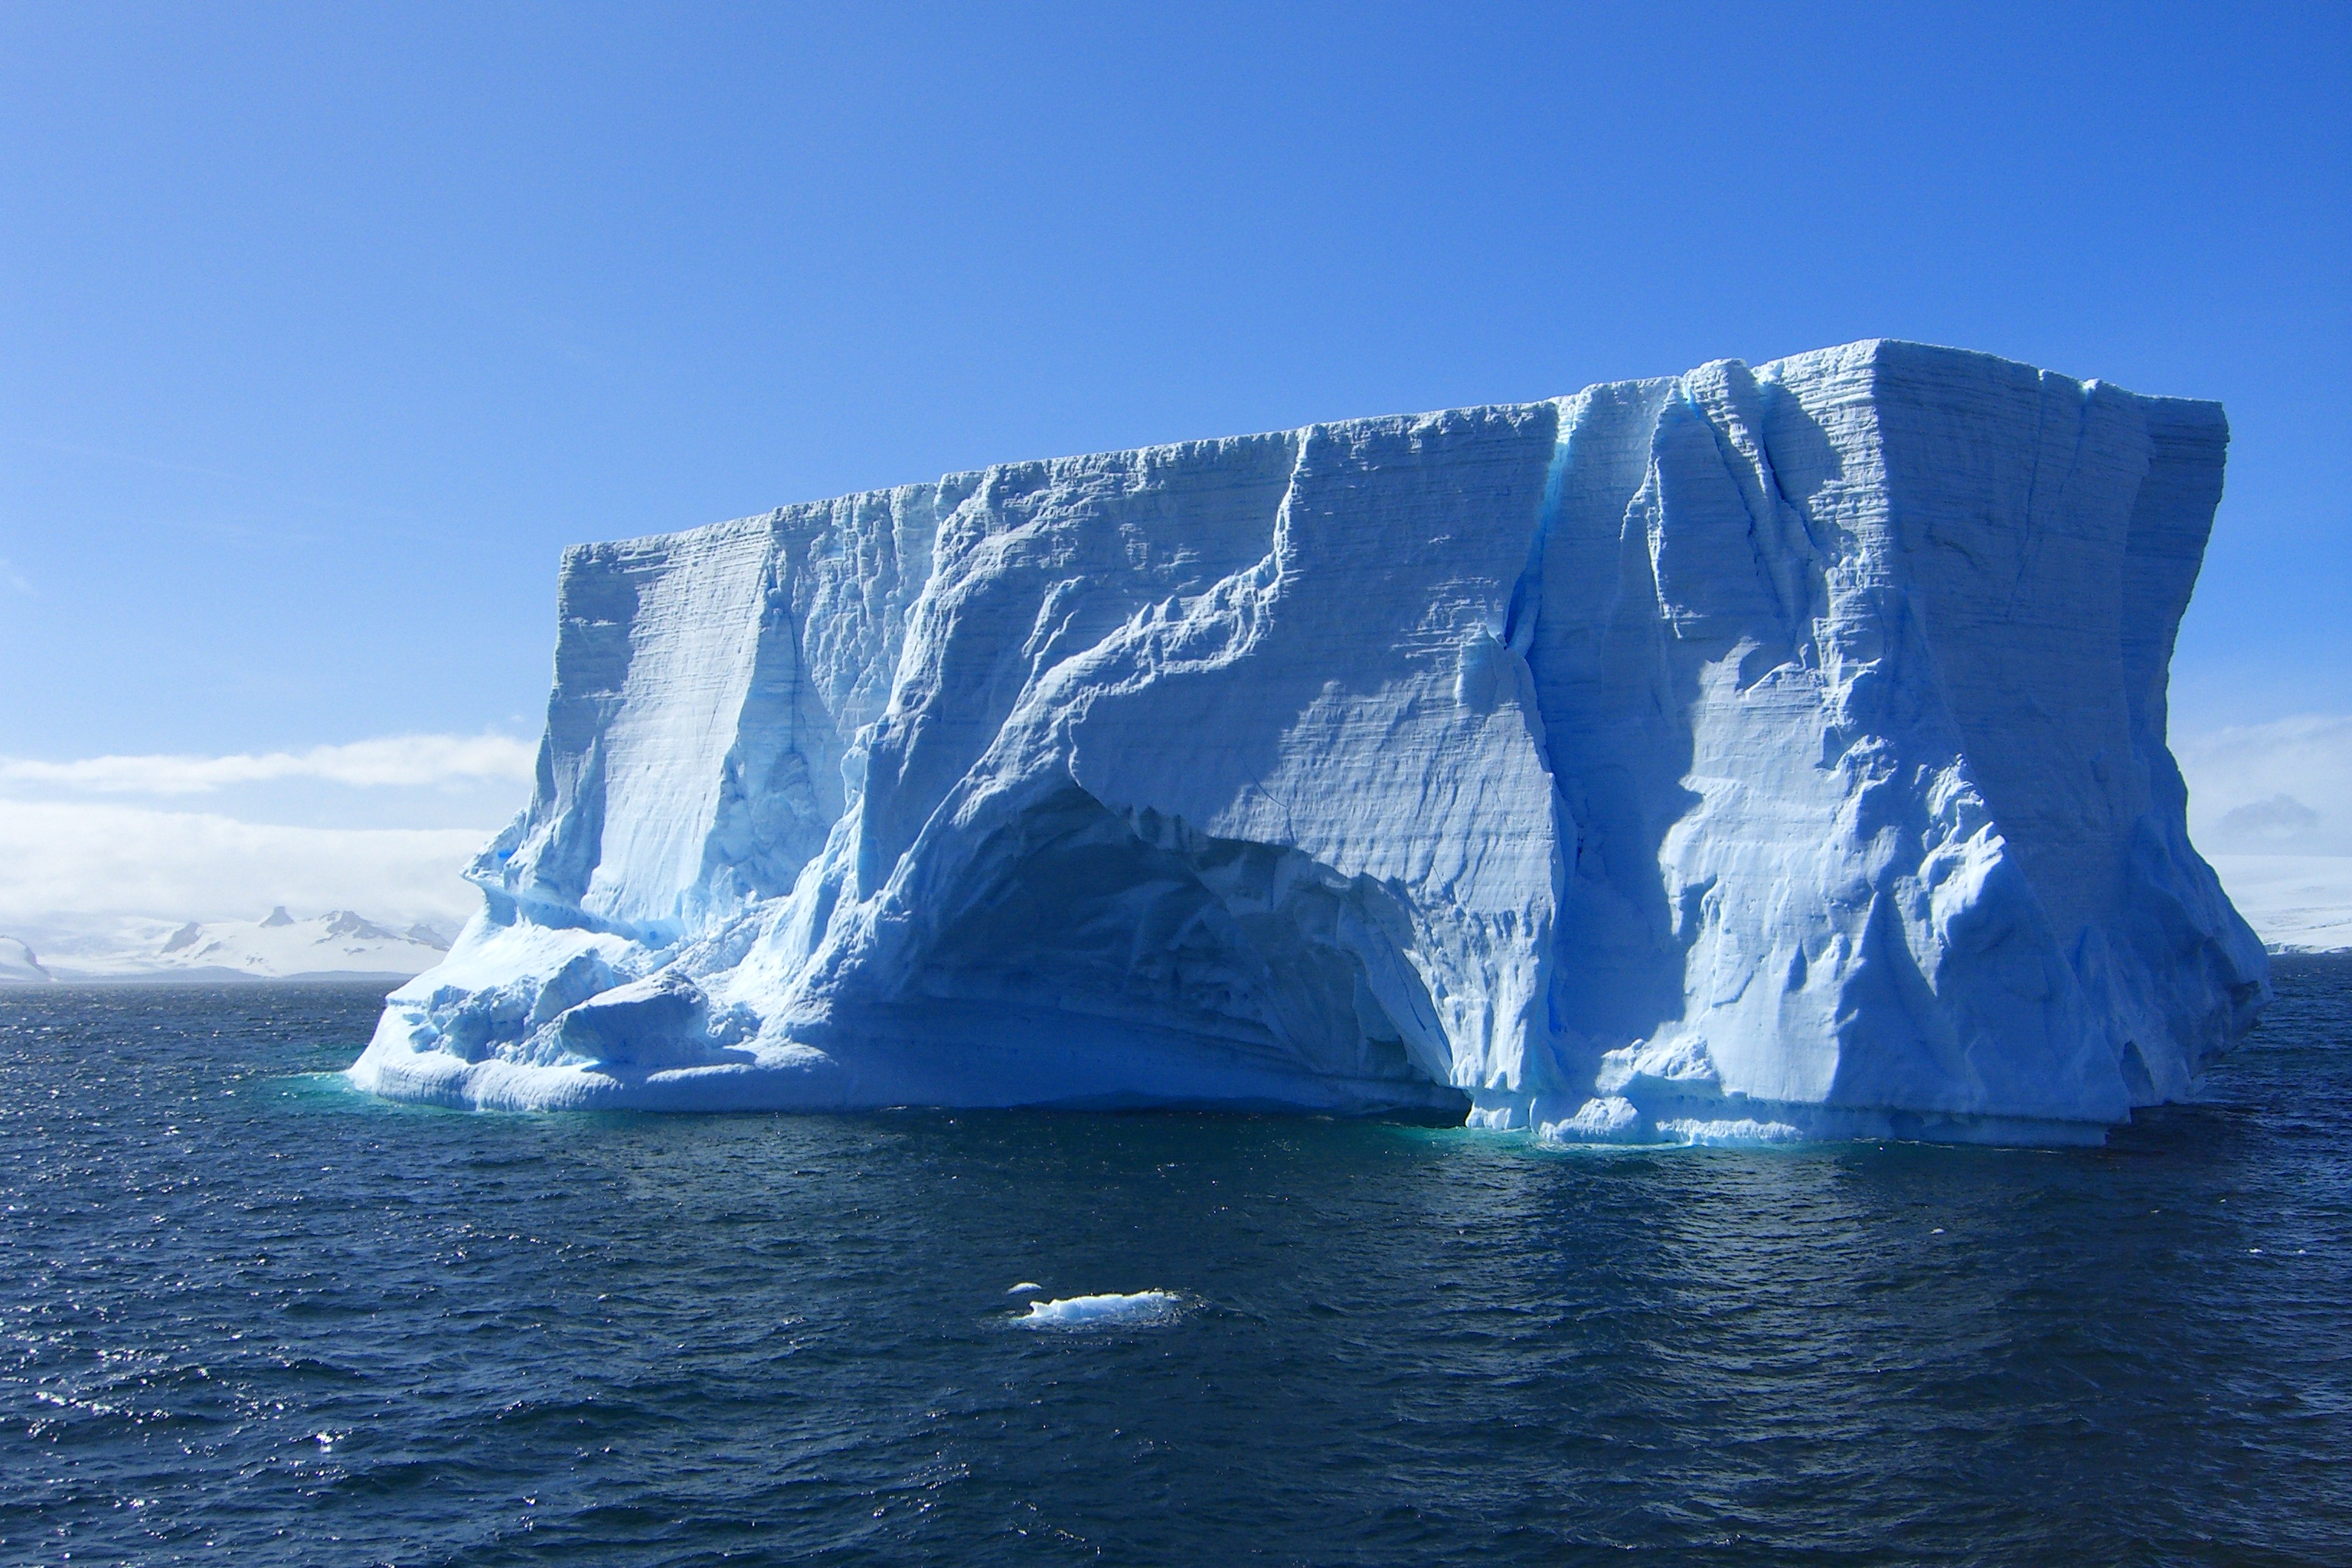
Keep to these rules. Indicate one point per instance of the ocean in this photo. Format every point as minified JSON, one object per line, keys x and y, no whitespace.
{"x":252,"y":1317}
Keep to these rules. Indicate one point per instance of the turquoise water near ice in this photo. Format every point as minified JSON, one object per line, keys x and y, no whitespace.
{"x":251,"y":1317}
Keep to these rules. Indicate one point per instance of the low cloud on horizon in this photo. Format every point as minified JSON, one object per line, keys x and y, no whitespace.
{"x":75,"y":856}
{"x":2280,"y":788}
{"x":392,"y":761}
{"x":74,"y":861}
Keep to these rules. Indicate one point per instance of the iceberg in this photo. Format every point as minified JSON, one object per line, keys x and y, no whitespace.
{"x":1745,"y":755}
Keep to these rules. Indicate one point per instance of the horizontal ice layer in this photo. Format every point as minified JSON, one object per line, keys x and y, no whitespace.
{"x":1743,"y":755}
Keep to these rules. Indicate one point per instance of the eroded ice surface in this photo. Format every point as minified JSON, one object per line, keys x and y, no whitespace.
{"x":1743,"y":755}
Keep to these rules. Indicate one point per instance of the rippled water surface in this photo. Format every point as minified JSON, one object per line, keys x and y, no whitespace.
{"x":252,"y":1317}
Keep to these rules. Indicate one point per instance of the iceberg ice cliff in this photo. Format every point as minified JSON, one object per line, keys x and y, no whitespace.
{"x":1742,"y":755}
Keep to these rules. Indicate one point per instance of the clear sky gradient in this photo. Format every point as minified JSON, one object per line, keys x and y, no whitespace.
{"x":323,"y":328}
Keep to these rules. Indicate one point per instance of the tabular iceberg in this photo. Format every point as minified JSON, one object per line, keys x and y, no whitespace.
{"x":1742,"y":755}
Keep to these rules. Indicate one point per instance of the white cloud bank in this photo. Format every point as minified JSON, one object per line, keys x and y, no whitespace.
{"x":2284,"y":787}
{"x":75,"y":864}
{"x":2270,"y":805}
{"x":393,"y":761}
{"x":68,"y":861}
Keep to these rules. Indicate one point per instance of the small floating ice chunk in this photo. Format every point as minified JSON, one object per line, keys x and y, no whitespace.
{"x":1107,"y":1310}
{"x":1025,"y":1285}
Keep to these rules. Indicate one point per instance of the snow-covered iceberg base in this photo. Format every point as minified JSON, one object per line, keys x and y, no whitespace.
{"x":1745,"y":755}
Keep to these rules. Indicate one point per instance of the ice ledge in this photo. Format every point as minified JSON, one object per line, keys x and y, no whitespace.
{"x":802,"y":1079}
{"x":1612,"y":1121}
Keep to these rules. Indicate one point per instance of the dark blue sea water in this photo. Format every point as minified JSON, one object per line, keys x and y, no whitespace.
{"x":253,"y":1318}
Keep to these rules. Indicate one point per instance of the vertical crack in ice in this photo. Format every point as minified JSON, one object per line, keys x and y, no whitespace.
{"x":1527,"y":592}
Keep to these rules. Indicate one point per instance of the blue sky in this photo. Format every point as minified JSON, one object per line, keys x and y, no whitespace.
{"x":322,"y":329}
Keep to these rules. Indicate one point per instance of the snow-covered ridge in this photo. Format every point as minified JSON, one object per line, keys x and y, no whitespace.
{"x":19,"y":965}
{"x":338,"y":943}
{"x":1740,"y":755}
{"x":2296,"y":903}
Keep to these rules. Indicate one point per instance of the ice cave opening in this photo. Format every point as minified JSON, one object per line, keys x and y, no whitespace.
{"x":1252,"y":962}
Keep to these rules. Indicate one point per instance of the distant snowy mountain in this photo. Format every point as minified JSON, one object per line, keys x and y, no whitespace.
{"x":18,"y":966}
{"x":2296,"y":903}
{"x":278,"y":947}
